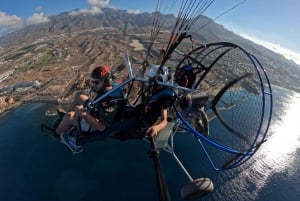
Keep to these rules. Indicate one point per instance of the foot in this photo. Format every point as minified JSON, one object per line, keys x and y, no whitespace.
{"x":61,"y":112}
{"x":70,"y":142}
{"x":50,"y":132}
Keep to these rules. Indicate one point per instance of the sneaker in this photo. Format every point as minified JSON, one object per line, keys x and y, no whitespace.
{"x":49,"y":131}
{"x":61,"y":112}
{"x":70,"y":142}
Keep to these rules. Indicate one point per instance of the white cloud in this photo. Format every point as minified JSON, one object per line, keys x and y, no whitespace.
{"x":96,"y":6}
{"x":93,"y":10}
{"x":98,"y":3}
{"x":10,"y":21}
{"x":114,"y":7}
{"x":135,"y":12}
{"x":289,"y":54}
{"x":39,"y":9}
{"x":37,"y":18}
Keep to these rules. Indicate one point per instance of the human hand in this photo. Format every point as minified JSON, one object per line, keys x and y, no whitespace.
{"x":79,"y":109}
{"x":152,"y":131}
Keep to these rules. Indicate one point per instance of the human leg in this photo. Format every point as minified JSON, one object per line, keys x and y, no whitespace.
{"x":80,"y":98}
{"x":66,"y":123}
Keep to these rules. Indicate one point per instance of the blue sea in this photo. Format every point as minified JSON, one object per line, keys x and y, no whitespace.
{"x":35,"y":168}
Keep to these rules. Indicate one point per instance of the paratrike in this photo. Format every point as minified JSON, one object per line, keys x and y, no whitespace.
{"x":223,"y":97}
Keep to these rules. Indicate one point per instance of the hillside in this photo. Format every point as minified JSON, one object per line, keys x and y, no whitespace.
{"x":85,"y":40}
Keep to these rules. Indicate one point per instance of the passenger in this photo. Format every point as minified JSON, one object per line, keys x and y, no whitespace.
{"x":101,"y":115}
{"x":152,"y":114}
{"x":156,"y":105}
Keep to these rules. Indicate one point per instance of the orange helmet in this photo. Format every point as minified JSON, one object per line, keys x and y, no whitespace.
{"x":102,"y":73}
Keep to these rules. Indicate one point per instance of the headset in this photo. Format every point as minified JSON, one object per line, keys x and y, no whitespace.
{"x":108,"y":81}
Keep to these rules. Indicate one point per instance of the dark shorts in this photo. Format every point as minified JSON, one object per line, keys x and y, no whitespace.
{"x":123,"y":130}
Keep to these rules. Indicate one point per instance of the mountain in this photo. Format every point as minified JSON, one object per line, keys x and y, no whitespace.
{"x":64,"y":23}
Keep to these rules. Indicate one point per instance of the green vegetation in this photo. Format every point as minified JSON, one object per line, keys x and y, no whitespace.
{"x":20,"y":53}
{"x":44,"y":61}
{"x":36,"y":65}
{"x":42,"y":49}
{"x":28,"y":48}
{"x":23,"y":69}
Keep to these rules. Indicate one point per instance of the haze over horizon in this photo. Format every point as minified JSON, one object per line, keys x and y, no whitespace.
{"x":288,"y":54}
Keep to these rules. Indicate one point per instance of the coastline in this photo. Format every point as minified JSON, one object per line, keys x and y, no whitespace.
{"x":54,"y":102}
{"x":284,"y":88}
{"x":9,"y":108}
{"x":17,"y":104}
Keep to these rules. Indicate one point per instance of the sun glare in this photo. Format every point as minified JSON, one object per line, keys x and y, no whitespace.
{"x":279,"y":151}
{"x":286,"y":134}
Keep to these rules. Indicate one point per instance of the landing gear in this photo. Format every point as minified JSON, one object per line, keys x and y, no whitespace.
{"x":197,"y":188}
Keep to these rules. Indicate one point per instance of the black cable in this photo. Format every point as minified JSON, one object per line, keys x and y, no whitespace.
{"x":162,"y":188}
{"x":223,"y":13}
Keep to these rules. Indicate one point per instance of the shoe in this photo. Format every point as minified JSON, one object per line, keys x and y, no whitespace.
{"x":70,"y":142}
{"x":49,"y":131}
{"x":61,"y":112}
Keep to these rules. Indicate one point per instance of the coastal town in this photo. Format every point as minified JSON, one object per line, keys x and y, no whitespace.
{"x":52,"y":68}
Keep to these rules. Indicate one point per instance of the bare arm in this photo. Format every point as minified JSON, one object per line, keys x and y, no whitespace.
{"x":154,"y":129}
{"x":94,"y":122}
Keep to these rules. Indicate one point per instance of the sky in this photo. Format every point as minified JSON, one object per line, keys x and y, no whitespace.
{"x":272,"y":23}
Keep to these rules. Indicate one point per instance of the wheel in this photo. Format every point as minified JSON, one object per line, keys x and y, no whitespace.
{"x":197,"y":188}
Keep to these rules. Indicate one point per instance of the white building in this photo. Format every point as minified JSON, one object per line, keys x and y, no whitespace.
{"x":25,"y":86}
{"x":6,"y":89}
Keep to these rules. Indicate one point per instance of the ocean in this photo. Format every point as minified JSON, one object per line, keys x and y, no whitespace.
{"x":35,"y":168}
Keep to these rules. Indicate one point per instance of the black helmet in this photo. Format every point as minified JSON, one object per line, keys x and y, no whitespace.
{"x":185,"y":76}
